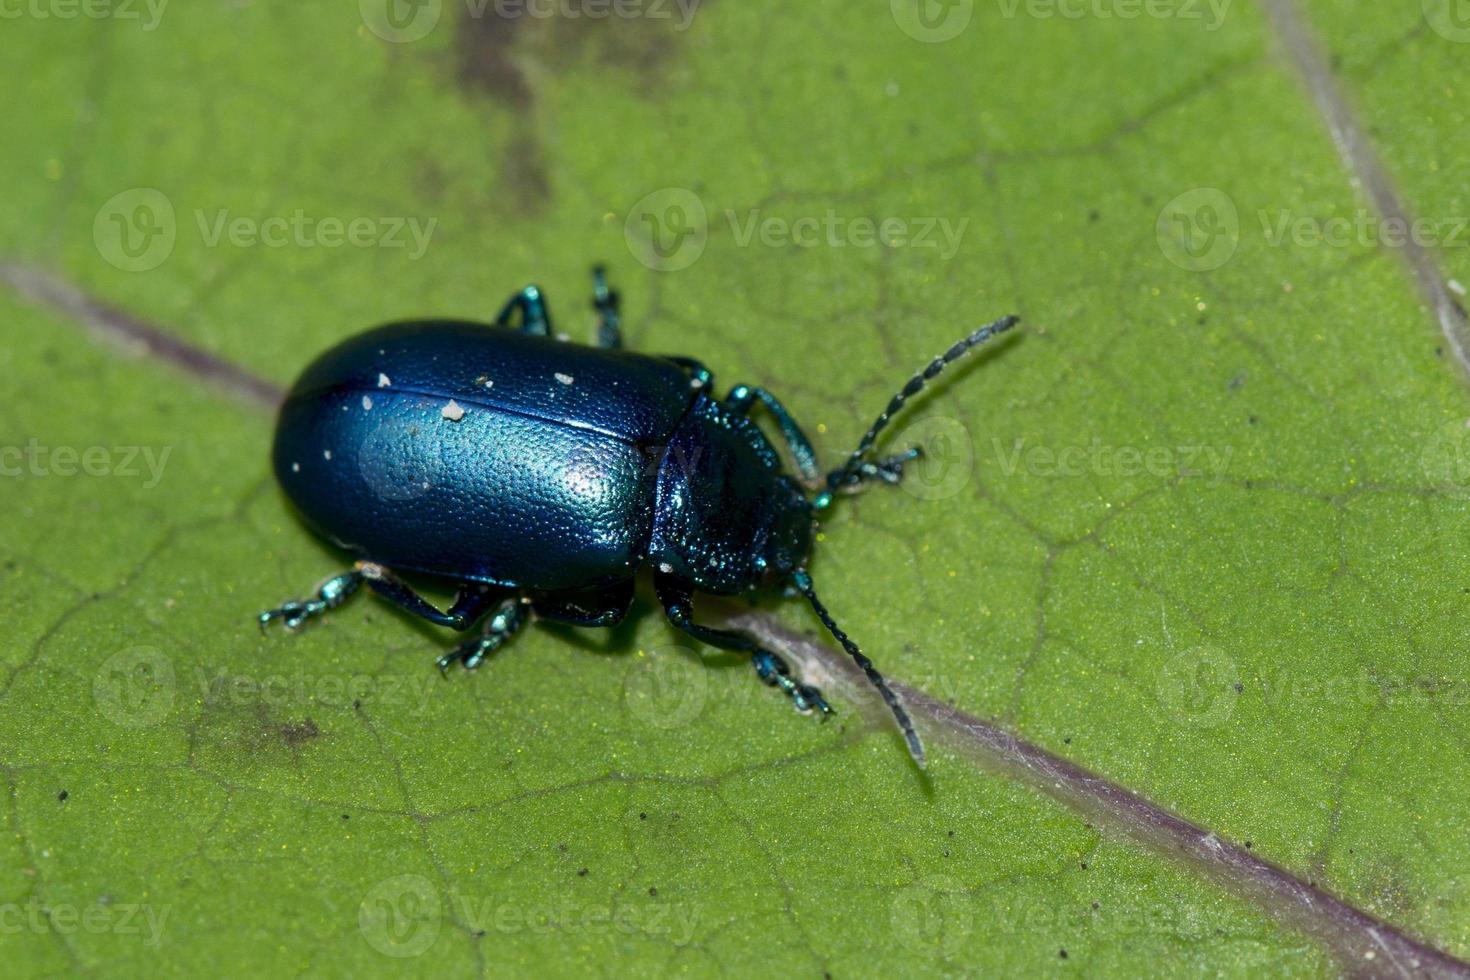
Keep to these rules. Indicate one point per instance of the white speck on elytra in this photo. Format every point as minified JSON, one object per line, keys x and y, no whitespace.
{"x":383,"y":381}
{"x":565,"y":379}
{"x":327,"y":455}
{"x":295,"y":467}
{"x":367,"y":403}
{"x":665,"y":567}
{"x":452,"y":411}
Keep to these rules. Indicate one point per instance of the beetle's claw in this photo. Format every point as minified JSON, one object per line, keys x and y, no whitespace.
{"x":808,"y":698}
{"x":293,"y":615}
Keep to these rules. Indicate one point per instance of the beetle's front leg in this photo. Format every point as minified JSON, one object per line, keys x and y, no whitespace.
{"x":678,"y":603}
{"x":329,"y":595}
{"x":743,"y":397}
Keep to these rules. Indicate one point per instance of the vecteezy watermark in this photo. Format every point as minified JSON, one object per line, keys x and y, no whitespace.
{"x":1450,"y":19}
{"x":122,"y":462}
{"x":1445,"y":458}
{"x":1099,"y":459}
{"x":402,"y":916}
{"x":414,"y":690}
{"x":934,"y":915}
{"x":932,"y":21}
{"x":1199,"y":230}
{"x":1210,"y":12}
{"x":668,"y":229}
{"x":1199,"y":687}
{"x":833,"y":230}
{"x":301,"y":230}
{"x":63,"y":919}
{"x":948,"y":457}
{"x":666,"y":687}
{"x":137,"y":230}
{"x":403,"y":21}
{"x":134,"y":688}
{"x":147,"y":12}
{"x":674,"y":921}
{"x":1284,"y":686}
{"x":1362,"y":228}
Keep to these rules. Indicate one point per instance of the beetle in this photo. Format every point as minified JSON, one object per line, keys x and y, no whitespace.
{"x":537,"y":475}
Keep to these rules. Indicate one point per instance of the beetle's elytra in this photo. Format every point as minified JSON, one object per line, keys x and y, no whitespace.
{"x":539,"y":475}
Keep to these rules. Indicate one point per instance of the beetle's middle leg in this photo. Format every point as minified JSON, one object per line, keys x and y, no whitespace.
{"x":678,"y":603}
{"x":503,"y":623}
{"x":535,"y":317}
{"x":469,"y":607}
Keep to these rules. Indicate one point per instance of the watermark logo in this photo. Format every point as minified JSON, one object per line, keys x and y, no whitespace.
{"x":1445,"y":458}
{"x":1199,"y":687}
{"x":932,"y":21}
{"x":136,"y":230}
{"x":947,"y":460}
{"x":1199,"y":230}
{"x":401,"y":21}
{"x":400,"y":917}
{"x":667,"y":688}
{"x":667,"y":229}
{"x":135,"y":688}
{"x":934,"y":915}
{"x":1450,"y":19}
{"x":1446,"y":912}
{"x":394,"y":468}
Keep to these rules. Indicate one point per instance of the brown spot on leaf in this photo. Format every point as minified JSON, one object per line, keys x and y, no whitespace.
{"x":493,"y":48}
{"x":295,"y":733}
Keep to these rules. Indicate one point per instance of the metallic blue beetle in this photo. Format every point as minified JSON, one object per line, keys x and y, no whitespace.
{"x":539,"y":475}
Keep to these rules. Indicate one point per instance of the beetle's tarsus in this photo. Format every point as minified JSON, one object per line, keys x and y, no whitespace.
{"x":507,"y":619}
{"x":329,"y":595}
{"x":777,"y":673}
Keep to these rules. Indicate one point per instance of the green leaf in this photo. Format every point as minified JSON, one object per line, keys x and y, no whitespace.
{"x":1196,"y":530}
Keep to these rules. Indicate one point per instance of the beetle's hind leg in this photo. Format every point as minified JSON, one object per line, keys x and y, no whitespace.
{"x":503,"y":623}
{"x":606,"y":302}
{"x":535,"y":317}
{"x":329,"y":595}
{"x":678,"y":604}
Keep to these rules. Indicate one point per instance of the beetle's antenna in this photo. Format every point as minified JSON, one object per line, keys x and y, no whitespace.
{"x":803,"y":583}
{"x":848,"y":472}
